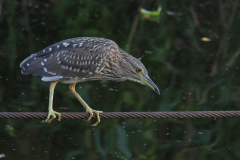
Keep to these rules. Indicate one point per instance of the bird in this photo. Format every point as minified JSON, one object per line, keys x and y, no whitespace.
{"x":84,"y":59}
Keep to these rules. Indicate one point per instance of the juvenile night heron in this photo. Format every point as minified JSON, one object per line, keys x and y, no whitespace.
{"x":84,"y":59}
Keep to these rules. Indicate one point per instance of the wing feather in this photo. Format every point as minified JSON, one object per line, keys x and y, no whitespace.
{"x":75,"y":63}
{"x":72,"y":58}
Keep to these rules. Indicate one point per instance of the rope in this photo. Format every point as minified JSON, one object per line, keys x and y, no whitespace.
{"x":119,"y":115}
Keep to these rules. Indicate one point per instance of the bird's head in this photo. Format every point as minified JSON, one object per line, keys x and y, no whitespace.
{"x":134,"y":70}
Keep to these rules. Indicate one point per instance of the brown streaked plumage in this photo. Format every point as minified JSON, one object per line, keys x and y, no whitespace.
{"x":84,"y":59}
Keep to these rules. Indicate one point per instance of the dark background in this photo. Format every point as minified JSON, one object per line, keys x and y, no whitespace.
{"x":191,"y":51}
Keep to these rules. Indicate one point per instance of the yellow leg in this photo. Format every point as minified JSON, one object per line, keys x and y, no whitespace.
{"x":51,"y":112}
{"x":88,"y":109}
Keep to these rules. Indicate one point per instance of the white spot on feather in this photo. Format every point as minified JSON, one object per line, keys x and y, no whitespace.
{"x":28,"y":64}
{"x":42,"y":63}
{"x":58,"y":54}
{"x":58,"y":46}
{"x":74,"y":45}
{"x":45,"y":60}
{"x":50,"y":49}
{"x":66,"y":44}
{"x":45,"y":69}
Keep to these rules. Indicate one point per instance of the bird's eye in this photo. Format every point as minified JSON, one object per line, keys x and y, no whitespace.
{"x":138,"y":70}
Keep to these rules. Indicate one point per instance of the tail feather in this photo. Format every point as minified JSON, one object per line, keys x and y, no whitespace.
{"x":32,"y":65}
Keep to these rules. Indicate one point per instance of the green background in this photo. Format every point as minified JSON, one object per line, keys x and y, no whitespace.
{"x":191,"y":51}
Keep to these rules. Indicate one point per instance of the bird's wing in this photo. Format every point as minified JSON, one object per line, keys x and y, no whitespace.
{"x":72,"y":58}
{"x":74,"y":63}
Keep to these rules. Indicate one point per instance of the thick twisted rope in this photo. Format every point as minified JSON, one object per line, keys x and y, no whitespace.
{"x":119,"y":115}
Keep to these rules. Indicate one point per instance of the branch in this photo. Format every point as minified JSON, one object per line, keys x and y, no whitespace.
{"x":133,"y":29}
{"x":232,"y":60}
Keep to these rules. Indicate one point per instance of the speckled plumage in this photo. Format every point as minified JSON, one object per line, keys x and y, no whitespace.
{"x":77,"y":59}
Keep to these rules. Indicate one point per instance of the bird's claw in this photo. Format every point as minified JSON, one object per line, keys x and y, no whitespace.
{"x":91,"y":111}
{"x":52,"y":113}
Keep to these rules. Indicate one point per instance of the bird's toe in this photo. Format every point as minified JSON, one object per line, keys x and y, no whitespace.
{"x":51,"y":116}
{"x":91,"y":111}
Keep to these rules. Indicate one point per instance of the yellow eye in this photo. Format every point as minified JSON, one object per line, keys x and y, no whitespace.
{"x":138,"y":70}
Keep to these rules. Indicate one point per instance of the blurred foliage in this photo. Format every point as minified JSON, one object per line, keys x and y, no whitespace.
{"x":151,"y":15}
{"x":191,"y":51}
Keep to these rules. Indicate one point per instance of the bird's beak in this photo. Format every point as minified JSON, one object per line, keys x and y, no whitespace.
{"x":147,"y":80}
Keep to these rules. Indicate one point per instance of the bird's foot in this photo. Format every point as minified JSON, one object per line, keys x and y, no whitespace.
{"x":91,"y":111}
{"x":52,"y":113}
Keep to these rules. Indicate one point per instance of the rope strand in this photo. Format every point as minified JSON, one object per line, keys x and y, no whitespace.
{"x":123,"y":115}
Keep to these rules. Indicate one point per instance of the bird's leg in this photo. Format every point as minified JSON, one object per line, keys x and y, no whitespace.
{"x":88,"y":109}
{"x":51,"y":112}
